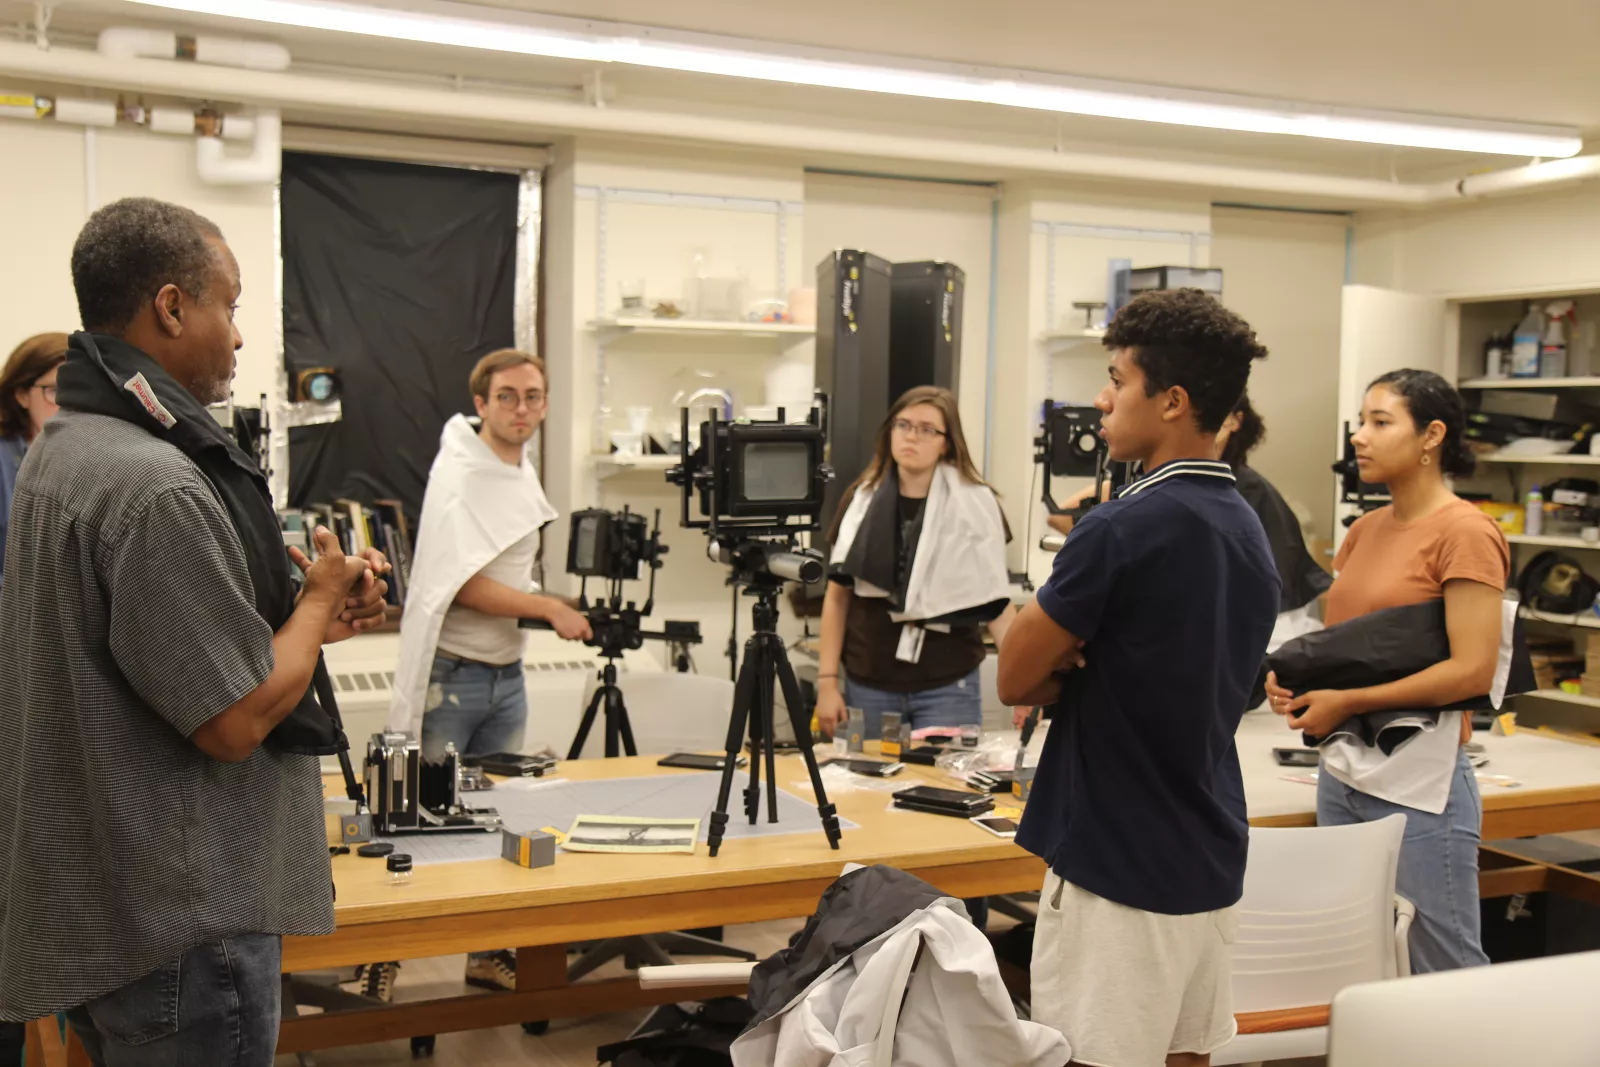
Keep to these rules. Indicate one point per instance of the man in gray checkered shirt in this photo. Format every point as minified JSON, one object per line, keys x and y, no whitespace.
{"x":162,"y":823}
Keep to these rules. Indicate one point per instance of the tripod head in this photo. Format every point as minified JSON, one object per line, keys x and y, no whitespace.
{"x":762,"y":566}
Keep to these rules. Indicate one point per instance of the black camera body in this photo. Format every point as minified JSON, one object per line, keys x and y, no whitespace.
{"x":611,"y":546}
{"x":764,"y":477}
{"x":1069,"y":445}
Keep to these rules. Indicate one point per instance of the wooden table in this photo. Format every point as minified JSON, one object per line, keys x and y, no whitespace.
{"x":1559,"y":790}
{"x":463,"y":907}
{"x":491,"y":904}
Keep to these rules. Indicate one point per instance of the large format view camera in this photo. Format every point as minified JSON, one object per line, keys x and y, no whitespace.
{"x":756,"y":477}
{"x":616,"y":547}
{"x":754,"y":487}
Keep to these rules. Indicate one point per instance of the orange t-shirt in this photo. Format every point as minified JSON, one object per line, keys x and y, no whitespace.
{"x":1385,"y":563}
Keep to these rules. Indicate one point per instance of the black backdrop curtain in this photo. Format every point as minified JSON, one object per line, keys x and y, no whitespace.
{"x":400,"y":277}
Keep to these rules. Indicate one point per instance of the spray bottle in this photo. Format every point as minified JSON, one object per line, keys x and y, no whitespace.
{"x":1553,"y":348}
{"x":1525,"y":342}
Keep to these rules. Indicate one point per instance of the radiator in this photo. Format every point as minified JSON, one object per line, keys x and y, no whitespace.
{"x":560,"y":675}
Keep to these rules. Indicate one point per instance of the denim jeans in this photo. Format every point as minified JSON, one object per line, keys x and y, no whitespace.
{"x":216,"y":1005}
{"x":956,"y":704}
{"x":479,"y":708}
{"x":1438,"y":865}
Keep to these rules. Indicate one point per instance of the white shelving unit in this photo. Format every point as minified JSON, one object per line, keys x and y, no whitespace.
{"x":612,"y":465}
{"x":612,"y":328}
{"x":1531,"y":383}
{"x":1562,"y":697}
{"x":1072,"y":335}
{"x":1568,"y":460}
{"x":1574,"y":543}
{"x":1582,"y":621}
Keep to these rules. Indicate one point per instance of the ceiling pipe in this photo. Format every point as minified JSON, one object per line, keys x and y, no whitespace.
{"x":261,"y":167}
{"x":128,"y":42}
{"x":337,"y":97}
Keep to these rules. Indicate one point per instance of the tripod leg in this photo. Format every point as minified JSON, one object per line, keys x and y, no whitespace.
{"x":758,"y":727}
{"x":736,"y":725}
{"x":769,"y":693}
{"x":802,"y":735}
{"x":612,"y":750}
{"x":582,"y":736}
{"x":624,"y":728}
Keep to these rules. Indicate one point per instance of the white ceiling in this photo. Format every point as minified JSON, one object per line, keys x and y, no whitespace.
{"x":1450,"y":57}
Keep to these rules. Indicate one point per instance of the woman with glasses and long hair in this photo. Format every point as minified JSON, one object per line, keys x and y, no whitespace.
{"x":918,"y":568}
{"x":27,"y":400}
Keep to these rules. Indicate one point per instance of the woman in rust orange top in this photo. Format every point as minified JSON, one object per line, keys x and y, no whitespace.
{"x":1429,"y":544}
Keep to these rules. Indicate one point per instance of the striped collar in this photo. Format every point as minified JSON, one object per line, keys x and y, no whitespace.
{"x":1180,"y":468}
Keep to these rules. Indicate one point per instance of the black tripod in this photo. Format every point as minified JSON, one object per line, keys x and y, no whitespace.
{"x":608,"y":696}
{"x":766,"y":666}
{"x":616,"y":630}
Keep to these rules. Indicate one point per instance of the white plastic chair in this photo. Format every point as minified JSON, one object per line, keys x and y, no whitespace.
{"x":1319,"y":913}
{"x":1533,"y":1012}
{"x":669,"y":712}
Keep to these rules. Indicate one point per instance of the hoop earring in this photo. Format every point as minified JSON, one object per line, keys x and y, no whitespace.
{"x":1426,"y":459}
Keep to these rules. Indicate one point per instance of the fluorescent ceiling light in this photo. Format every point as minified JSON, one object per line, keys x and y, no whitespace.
{"x":465,"y":26}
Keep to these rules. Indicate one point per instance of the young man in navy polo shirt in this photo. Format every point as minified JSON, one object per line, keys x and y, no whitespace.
{"x":1147,"y":639}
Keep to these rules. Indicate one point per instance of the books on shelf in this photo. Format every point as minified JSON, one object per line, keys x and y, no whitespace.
{"x":358,"y":527}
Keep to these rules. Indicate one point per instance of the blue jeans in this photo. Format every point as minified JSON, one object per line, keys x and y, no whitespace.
{"x":478,"y":708}
{"x":1438,"y":865}
{"x":217,"y":1005}
{"x":956,"y":704}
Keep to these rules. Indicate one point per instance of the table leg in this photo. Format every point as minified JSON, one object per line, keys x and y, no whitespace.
{"x":541,"y":967}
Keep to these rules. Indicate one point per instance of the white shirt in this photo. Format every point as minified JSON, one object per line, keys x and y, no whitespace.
{"x":470,"y":634}
{"x":1417,"y":774}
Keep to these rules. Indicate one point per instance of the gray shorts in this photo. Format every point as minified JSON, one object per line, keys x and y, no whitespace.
{"x":1126,"y":987}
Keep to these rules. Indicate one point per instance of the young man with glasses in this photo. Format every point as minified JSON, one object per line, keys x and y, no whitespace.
{"x":459,"y":678}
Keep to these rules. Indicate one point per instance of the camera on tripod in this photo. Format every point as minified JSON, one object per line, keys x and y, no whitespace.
{"x":616,"y":547}
{"x":1069,"y":445}
{"x":756,"y":486}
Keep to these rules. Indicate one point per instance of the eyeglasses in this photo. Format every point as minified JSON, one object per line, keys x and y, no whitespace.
{"x":510,"y":400}
{"x":917,"y":430}
{"x":49,"y":392}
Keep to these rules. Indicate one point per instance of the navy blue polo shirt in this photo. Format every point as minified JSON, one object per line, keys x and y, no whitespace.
{"x":1173,"y":590}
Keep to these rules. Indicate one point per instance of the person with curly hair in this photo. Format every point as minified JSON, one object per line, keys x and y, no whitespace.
{"x":1147,"y":639}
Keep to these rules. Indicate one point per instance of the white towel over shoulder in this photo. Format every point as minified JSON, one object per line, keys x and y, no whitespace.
{"x":475,"y":508}
{"x":961,"y":556}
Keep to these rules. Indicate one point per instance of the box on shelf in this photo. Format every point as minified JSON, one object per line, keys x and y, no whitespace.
{"x":1554,"y":661}
{"x":1148,"y":279}
{"x":1534,"y":404}
{"x":1509,"y":517}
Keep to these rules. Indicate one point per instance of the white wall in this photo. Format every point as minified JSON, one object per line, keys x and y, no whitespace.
{"x":1283,"y":272}
{"x":43,"y":205}
{"x":41,"y":209}
{"x":655,"y":242}
{"x":1536,"y":243}
{"x":1094,"y":226}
